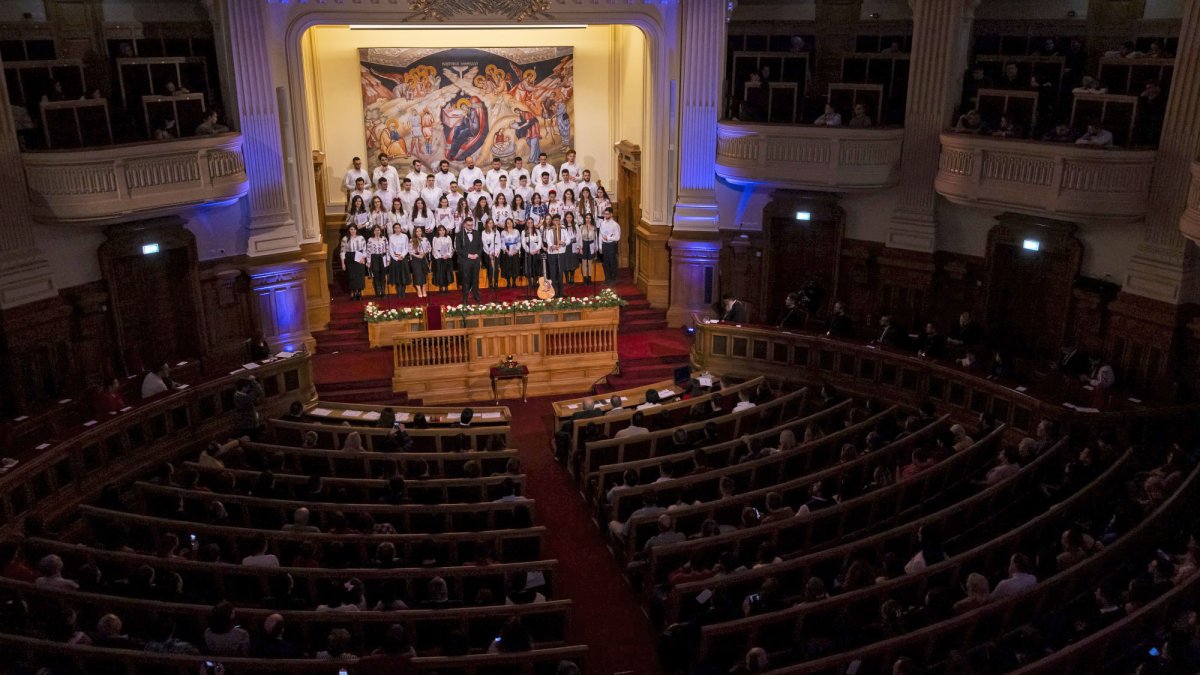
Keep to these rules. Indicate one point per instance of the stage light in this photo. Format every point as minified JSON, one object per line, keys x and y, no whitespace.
{"x":463,"y":26}
{"x":149,"y":249}
{"x":803,"y":215}
{"x":1031,"y":245}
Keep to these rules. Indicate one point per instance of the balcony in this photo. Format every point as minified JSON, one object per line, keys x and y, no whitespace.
{"x":104,"y":185}
{"x":826,"y":159}
{"x":1056,"y":180}
{"x":1189,"y":222}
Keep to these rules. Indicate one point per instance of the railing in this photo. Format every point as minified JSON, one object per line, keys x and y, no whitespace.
{"x":1045,"y":179}
{"x":837,"y":159}
{"x":455,"y":364}
{"x":745,"y":351}
{"x":1189,"y":222}
{"x":68,"y":472}
{"x":146,"y":179}
{"x":382,"y":333}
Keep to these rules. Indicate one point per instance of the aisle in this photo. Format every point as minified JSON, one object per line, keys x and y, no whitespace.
{"x":607,"y":615}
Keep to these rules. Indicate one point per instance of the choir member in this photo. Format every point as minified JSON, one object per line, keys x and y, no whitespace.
{"x":523,"y":189}
{"x":475,"y":193}
{"x":397,"y":216}
{"x":531,"y":244}
{"x":520,"y":212}
{"x":354,"y":249}
{"x":585,"y":181}
{"x":569,"y":205}
{"x":543,"y":172}
{"x":419,"y":215}
{"x":500,"y":210}
{"x":443,"y":215}
{"x":384,"y":191}
{"x":553,"y":206}
{"x":385,"y":170}
{"x":377,"y":252}
{"x":569,"y":167}
{"x":556,"y":240}
{"x":461,"y":213}
{"x":517,"y":172}
{"x":469,"y":174}
{"x":571,"y":255}
{"x":377,"y":215}
{"x":602,"y":200}
{"x":610,"y":234}
{"x":350,"y":181}
{"x":399,"y":246}
{"x":588,"y":233}
{"x":408,"y":194}
{"x":443,"y":260}
{"x":360,"y":191}
{"x":482,"y":210}
{"x":419,"y":251}
{"x":544,"y":187}
{"x":417,"y":175}
{"x":431,"y":193}
{"x":503,"y":189}
{"x":567,"y":182}
{"x":510,"y":244}
{"x":587,"y":203}
{"x":455,"y":195}
{"x":491,"y":252}
{"x":444,"y":177}
{"x":492,"y":180}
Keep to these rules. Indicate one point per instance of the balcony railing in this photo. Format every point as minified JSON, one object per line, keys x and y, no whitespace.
{"x":1189,"y":222}
{"x":1045,"y":179}
{"x":829,"y":159}
{"x":145,"y":179}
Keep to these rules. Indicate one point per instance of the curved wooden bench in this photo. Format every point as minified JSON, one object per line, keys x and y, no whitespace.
{"x":729,"y":425}
{"x":91,"y":659}
{"x":633,"y":396}
{"x":372,"y":464}
{"x":446,"y":490}
{"x":435,"y":415}
{"x":546,"y":621}
{"x":729,"y":637}
{"x":404,"y":517}
{"x":521,"y":543}
{"x":1001,"y":616}
{"x":290,"y":432}
{"x":241,"y":583}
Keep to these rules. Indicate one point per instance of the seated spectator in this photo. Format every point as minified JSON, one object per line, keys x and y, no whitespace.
{"x":769,"y":598}
{"x":921,"y":460}
{"x":300,"y":522}
{"x":744,"y":402}
{"x":932,"y":552}
{"x":1061,"y":133}
{"x":1102,"y":375}
{"x":652,"y":400}
{"x":1108,"y":609}
{"x":1156,"y":51}
{"x":961,"y":440}
{"x":636,"y":426}
{"x":337,"y":646}
{"x":1019,"y":578}
{"x":63,"y":626}
{"x":978,"y":594}
{"x":163,"y":640}
{"x":210,"y":126}
{"x":50,"y":575}
{"x":513,"y":638}
{"x":109,"y":399}
{"x":1096,"y":136}
{"x":1090,"y":85}
{"x":12,"y":563}
{"x":223,"y":637}
{"x":273,"y":646}
{"x":971,"y":122}
{"x":666,"y":534}
{"x":259,"y":556}
{"x":650,"y":507}
{"x":860,"y":120}
{"x":816,"y":500}
{"x":1007,"y":466}
{"x":931,"y":344}
{"x":830,"y":118}
{"x":1125,"y":51}
{"x":520,"y":593}
{"x":110,"y":633}
{"x":353,"y":443}
{"x":1076,"y":547}
{"x":776,"y":509}
{"x":1008,"y":128}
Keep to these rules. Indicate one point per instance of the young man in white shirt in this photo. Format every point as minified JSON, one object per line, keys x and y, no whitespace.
{"x":454,"y":195}
{"x":567,"y":183}
{"x":444,"y":177}
{"x":360,"y":190}
{"x":502,"y":188}
{"x":585,"y":181}
{"x":492,"y":180}
{"x":518,"y":170}
{"x":744,"y":402}
{"x":385,"y":170}
{"x":417,"y":175}
{"x":524,"y":189}
{"x":408,"y":195}
{"x":1096,"y":136}
{"x":475,"y":193}
{"x":385,"y":194}
{"x":570,"y":166}
{"x":469,"y":174}
{"x":353,"y":175}
{"x":431,"y":193}
{"x":545,"y":187}
{"x":543,"y":167}
{"x":610,"y":235}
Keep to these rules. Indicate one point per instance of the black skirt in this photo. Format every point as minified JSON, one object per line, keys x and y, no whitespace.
{"x":420,"y":270}
{"x":398,"y":274}
{"x":587,"y":250}
{"x":510,"y":265}
{"x":443,"y":272}
{"x":356,"y":273}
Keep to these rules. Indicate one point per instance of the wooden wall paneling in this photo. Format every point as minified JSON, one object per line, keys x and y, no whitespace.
{"x":857,"y":278}
{"x":795,"y":252}
{"x":904,"y":287}
{"x":226,"y":299}
{"x":741,"y":270}
{"x":36,"y":359}
{"x":1150,"y":345}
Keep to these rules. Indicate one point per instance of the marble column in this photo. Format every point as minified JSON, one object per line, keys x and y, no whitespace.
{"x":695,"y":243}
{"x":25,"y":274}
{"x":280,"y":300}
{"x":272,"y":228}
{"x":1163,"y":268}
{"x":941,"y":31}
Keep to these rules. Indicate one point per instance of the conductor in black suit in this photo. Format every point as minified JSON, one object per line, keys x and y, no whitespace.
{"x":468,"y":243}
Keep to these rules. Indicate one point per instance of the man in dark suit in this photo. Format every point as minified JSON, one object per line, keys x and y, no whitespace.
{"x":967,"y":333}
{"x":840,"y":324}
{"x":932,"y":344}
{"x":732,"y":309}
{"x":890,"y":334}
{"x":587,"y":411}
{"x":1073,"y":362}
{"x":468,"y":244}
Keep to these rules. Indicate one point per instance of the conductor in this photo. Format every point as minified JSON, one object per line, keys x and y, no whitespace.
{"x":469,"y":245}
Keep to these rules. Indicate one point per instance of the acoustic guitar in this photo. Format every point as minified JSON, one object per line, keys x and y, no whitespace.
{"x":545,"y":289}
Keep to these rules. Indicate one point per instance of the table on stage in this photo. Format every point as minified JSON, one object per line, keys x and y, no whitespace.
{"x":519,"y":373}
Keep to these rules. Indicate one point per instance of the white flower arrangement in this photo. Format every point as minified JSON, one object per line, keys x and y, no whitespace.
{"x":373,"y":314}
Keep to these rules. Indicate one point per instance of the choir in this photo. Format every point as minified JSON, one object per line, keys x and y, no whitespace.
{"x":559,"y":216}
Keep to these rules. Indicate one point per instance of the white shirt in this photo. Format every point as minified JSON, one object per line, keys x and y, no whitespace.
{"x":532,"y":242}
{"x":443,"y":247}
{"x":417,"y":178}
{"x":1102,"y":138}
{"x":398,"y":246}
{"x":507,"y":192}
{"x":491,"y":242}
{"x":264,"y":560}
{"x":631,"y":431}
{"x":431,"y":195}
{"x":408,"y":197}
{"x":514,"y":175}
{"x":589,"y":184}
{"x":1017,"y":583}
{"x":386,"y":196}
{"x":556,"y":241}
{"x":468,"y":176}
{"x":353,"y":175}
{"x":828,"y":120}
{"x":610,"y":231}
{"x":571,"y":167}
{"x":742,"y":405}
{"x":443,"y":180}
{"x":492,"y":180}
{"x":537,"y":170}
{"x":525,"y":192}
{"x":389,"y":173}
{"x":365,"y":193}
{"x":474,"y":197}
{"x":544,"y":190}
{"x":153,"y":384}
{"x":563,"y":185}
{"x":454,"y":198}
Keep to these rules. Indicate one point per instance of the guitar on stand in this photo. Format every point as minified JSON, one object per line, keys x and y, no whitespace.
{"x":545,"y":289}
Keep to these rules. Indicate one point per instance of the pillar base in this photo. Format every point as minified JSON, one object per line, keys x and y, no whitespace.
{"x":695,"y":285}
{"x":1162,"y":274}
{"x":652,"y":274}
{"x":317,"y":284}
{"x":273,"y":239}
{"x":280,"y":304}
{"x":695,"y":215}
{"x":25,"y":277}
